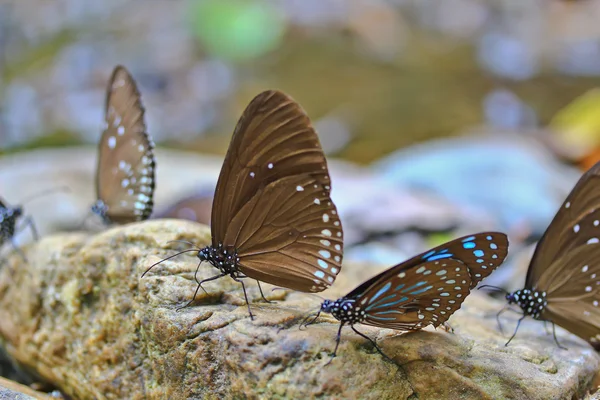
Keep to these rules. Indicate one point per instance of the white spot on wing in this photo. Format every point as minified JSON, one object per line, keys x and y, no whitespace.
{"x":112,"y":142}
{"x":326,"y":232}
{"x":299,"y":188}
{"x":325,"y":253}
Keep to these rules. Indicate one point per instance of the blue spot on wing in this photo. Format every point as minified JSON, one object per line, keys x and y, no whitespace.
{"x":478,"y":253}
{"x":469,"y":245}
{"x":421,"y":290}
{"x":383,"y":318}
{"x":470,"y":238}
{"x":439,"y":256}
{"x":390,"y":304}
{"x":408,"y":289}
{"x":432,"y":252}
{"x":380,"y":292}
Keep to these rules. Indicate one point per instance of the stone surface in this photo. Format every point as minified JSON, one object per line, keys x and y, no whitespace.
{"x":79,"y":316}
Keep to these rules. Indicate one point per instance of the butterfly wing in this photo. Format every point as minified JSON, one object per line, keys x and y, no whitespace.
{"x":408,"y":297}
{"x":482,"y":253}
{"x":125,"y":175}
{"x":575,"y":223}
{"x":573,"y":293}
{"x":272,"y":203}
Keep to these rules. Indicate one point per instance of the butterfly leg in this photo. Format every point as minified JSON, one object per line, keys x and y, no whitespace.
{"x":245,"y":295}
{"x":337,"y":343}
{"x":28,"y":221}
{"x":554,"y":335}
{"x":262,"y":294}
{"x":516,"y":329}
{"x":200,"y":286}
{"x":506,"y":307}
{"x":373,"y":343}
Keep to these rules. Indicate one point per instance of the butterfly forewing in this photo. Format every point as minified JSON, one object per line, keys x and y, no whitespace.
{"x":125,"y":176}
{"x":414,"y":297}
{"x":482,"y":253}
{"x":272,"y":204}
{"x":572,"y":225}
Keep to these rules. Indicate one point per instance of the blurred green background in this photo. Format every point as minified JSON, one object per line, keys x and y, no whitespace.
{"x":374,"y":76}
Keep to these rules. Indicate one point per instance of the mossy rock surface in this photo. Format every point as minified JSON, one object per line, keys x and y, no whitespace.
{"x":80,"y":316}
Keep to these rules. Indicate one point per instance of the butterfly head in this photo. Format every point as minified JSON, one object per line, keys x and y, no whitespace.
{"x":100,"y":209}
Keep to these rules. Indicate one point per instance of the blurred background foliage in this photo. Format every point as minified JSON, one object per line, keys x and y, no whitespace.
{"x":374,"y":76}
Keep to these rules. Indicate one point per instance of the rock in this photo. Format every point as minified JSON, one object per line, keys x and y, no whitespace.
{"x":79,"y":316}
{"x":10,"y":390}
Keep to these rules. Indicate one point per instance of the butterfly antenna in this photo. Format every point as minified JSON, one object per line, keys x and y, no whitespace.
{"x":168,"y":258}
{"x":60,"y":189}
{"x":498,"y":289}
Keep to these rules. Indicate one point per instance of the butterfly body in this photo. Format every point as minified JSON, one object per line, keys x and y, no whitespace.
{"x":532,"y":302}
{"x":344,"y":310}
{"x":222,"y":259}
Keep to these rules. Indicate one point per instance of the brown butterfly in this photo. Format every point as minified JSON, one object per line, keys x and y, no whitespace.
{"x":125,"y":174}
{"x":272,"y":217}
{"x":563,"y":280}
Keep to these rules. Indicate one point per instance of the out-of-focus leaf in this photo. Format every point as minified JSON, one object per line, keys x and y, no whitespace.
{"x":235,"y":29}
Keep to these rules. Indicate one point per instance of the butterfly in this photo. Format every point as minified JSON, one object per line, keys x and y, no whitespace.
{"x":272,"y":216}
{"x":424,"y":290}
{"x":125,"y":174}
{"x":563,"y":279}
{"x":9,"y":215}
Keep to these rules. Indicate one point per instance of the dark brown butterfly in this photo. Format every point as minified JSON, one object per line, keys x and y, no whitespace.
{"x":125,"y":175}
{"x":272,"y":217}
{"x":425,"y":290}
{"x":563,"y":280}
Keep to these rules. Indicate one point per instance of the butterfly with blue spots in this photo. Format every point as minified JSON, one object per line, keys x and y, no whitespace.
{"x":425,"y":290}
